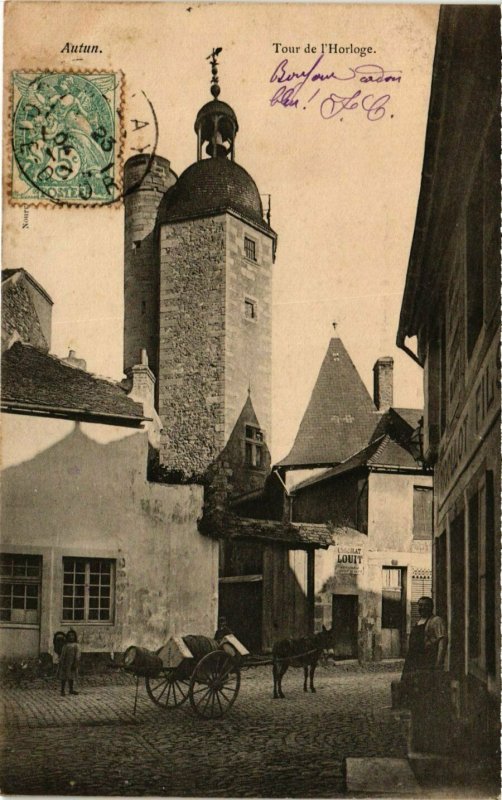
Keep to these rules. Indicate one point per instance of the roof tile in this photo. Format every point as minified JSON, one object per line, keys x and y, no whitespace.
{"x":340,"y":416}
{"x":31,"y":377}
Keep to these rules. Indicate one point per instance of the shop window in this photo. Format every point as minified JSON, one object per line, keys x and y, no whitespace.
{"x":474,"y":264}
{"x":455,"y":337}
{"x":489,"y":588}
{"x":20,"y":579}
{"x":422,"y":512}
{"x":457,"y":594}
{"x":88,"y":589}
{"x":491,"y":218}
{"x":255,"y":444}
{"x":473,"y":553}
{"x":250,"y":248}
{"x":443,"y":400}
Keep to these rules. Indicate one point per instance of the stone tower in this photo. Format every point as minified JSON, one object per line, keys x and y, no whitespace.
{"x":147,"y":179}
{"x":216,"y":252}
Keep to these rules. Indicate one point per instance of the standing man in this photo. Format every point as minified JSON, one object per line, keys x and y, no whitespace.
{"x":427,"y":645}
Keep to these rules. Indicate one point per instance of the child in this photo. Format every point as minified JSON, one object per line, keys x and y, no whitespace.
{"x":68,"y":662}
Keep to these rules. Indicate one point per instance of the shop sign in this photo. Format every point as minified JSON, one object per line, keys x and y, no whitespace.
{"x":349,"y":560}
{"x":481,"y":407}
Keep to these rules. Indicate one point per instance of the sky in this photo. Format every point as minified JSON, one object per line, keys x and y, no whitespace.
{"x":343,"y":174}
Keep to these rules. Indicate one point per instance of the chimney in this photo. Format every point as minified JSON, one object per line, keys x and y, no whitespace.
{"x":73,"y":361}
{"x":143,"y":383}
{"x":383,"y":389}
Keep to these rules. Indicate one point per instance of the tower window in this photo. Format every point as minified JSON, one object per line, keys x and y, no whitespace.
{"x":136,"y":245}
{"x":250,"y":248}
{"x":249,"y":309}
{"x":255,"y":442}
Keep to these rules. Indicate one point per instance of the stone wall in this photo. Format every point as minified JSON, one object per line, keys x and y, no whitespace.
{"x":192,"y":344}
{"x":248,"y":342}
{"x":354,"y":565}
{"x":141,"y":261}
{"x":80,"y":498}
{"x":211,"y":352}
{"x":19,"y":314}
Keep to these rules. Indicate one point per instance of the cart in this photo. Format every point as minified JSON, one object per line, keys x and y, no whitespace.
{"x":203,"y":671}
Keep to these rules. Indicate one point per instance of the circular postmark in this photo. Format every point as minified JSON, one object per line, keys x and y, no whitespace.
{"x":68,"y":138}
{"x":141,"y":134}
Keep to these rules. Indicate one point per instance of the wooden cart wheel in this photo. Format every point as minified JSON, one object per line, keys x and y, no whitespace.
{"x":167,"y":690}
{"x":214,"y":685}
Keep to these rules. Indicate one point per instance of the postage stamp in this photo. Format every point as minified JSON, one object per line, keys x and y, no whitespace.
{"x":66,"y":138}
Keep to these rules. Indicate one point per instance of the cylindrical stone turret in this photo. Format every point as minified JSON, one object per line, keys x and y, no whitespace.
{"x":141,"y":259}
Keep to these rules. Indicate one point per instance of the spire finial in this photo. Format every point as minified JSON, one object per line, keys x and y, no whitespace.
{"x":215,"y":89}
{"x":334,"y":325}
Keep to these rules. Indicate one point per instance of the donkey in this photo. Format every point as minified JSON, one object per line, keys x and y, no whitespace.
{"x":303,"y":652}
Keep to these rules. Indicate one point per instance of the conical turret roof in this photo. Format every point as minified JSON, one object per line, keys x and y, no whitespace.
{"x":340,"y":417}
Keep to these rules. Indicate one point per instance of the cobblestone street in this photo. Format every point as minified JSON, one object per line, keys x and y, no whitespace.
{"x":93,"y":744}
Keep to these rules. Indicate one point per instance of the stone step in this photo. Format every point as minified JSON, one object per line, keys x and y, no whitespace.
{"x":380,"y":777}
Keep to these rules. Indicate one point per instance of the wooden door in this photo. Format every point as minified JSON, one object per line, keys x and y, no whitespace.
{"x":345,"y":612}
{"x":240,"y":603}
{"x":393,"y":612}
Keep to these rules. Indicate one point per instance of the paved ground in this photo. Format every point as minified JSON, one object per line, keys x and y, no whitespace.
{"x":93,"y":744}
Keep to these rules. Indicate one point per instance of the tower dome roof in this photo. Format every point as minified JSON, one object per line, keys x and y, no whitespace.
{"x":209,"y":186}
{"x":216,"y":107}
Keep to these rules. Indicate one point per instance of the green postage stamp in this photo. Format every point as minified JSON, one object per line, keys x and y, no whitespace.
{"x":66,"y":138}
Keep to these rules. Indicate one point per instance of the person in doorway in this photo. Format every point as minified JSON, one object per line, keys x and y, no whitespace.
{"x":425,"y":657}
{"x":427,"y":645}
{"x":69,"y":662}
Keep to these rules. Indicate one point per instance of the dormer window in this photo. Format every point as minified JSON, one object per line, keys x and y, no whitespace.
{"x":250,"y":248}
{"x":255,"y":443}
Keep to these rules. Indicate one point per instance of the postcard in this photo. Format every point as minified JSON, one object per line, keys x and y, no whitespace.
{"x":240,"y":409}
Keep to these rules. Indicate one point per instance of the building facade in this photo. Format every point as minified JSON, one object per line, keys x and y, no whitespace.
{"x":360,"y":477}
{"x":89,"y":539}
{"x":451,"y":304}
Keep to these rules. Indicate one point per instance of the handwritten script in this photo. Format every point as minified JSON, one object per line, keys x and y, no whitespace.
{"x":345,"y":90}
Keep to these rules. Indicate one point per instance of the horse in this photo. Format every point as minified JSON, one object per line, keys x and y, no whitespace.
{"x":304,"y":652}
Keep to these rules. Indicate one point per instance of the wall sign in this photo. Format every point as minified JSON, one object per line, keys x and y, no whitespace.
{"x":349,"y":560}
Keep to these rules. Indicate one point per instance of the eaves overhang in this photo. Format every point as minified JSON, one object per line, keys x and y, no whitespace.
{"x":76,"y":414}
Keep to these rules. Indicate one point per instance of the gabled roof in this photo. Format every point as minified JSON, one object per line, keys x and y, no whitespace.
{"x":34,"y":382}
{"x":383,"y":453}
{"x":340,"y":416}
{"x":410,"y":415}
{"x":394,"y":455}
